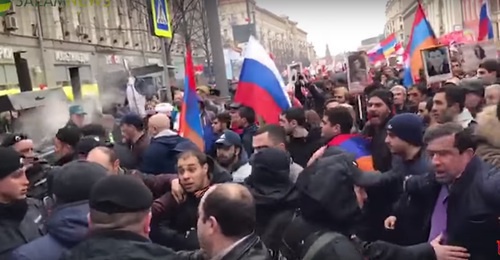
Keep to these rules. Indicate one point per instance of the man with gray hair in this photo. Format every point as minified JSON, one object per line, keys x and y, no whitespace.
{"x":474,"y":94}
{"x":399,"y":93}
{"x":492,"y":94}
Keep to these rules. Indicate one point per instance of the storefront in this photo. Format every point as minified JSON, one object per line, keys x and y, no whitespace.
{"x":9,"y":82}
{"x":71,"y":65}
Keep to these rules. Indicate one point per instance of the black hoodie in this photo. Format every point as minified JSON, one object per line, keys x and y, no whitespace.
{"x":275,"y":195}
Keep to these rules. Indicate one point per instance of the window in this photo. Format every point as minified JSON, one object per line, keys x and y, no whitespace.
{"x":61,"y":74}
{"x":8,"y":75}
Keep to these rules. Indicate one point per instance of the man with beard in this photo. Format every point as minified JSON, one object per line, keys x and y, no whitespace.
{"x":76,"y":116}
{"x":230,"y":153}
{"x":174,"y":223}
{"x":380,"y":104}
{"x":449,"y":106}
{"x":21,"y":219}
{"x":302,"y":142}
{"x":65,"y":143}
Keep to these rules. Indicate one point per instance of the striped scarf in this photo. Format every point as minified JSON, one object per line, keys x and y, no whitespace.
{"x":199,"y":193}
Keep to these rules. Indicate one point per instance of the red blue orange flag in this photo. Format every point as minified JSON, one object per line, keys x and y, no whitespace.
{"x":422,"y":37}
{"x":356,"y":145}
{"x":190,"y":125}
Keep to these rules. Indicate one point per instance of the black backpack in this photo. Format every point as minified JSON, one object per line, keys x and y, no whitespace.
{"x":305,"y":241}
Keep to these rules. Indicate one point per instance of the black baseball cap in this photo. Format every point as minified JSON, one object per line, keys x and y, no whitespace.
{"x":229,"y":138}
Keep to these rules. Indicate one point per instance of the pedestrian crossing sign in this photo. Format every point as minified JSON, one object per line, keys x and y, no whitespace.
{"x":160,"y":18}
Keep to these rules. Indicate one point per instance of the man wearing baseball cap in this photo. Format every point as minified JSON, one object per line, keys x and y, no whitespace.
{"x":230,"y":154}
{"x":76,"y":116}
{"x":20,"y":218}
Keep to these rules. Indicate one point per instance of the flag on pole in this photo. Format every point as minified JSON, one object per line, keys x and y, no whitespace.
{"x":190,"y":125}
{"x":261,"y":86}
{"x":485,"y":27}
{"x":422,"y":37}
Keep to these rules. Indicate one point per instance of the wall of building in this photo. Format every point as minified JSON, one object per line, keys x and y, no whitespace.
{"x":278,"y":34}
{"x":445,"y":16}
{"x":409,"y":8}
{"x":394,"y":19}
{"x":96,"y":39}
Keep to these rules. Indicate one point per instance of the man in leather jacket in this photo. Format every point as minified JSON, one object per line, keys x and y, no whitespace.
{"x":226,"y":222}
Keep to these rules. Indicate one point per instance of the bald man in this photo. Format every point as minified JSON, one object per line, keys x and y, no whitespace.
{"x":161,"y":154}
{"x":158,"y":123}
{"x":106,"y":157}
{"x":226,"y":224}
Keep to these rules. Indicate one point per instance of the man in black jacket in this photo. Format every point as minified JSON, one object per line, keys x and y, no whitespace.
{"x":226,"y":224}
{"x":119,"y":223}
{"x":21,"y":219}
{"x":462,"y":193}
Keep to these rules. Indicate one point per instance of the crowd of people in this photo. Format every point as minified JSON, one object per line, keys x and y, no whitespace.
{"x":395,"y":173}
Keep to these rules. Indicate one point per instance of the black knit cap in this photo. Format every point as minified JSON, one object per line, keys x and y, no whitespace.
{"x":12,"y":139}
{"x":10,"y":161}
{"x":385,"y":95}
{"x":87,"y":143}
{"x":69,"y":135}
{"x":120,"y":194}
{"x":74,"y":181}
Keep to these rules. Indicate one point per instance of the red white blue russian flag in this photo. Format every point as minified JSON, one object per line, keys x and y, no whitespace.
{"x":261,"y":86}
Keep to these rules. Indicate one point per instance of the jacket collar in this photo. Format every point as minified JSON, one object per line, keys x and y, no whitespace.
{"x":118,"y":235}
{"x":240,"y":248}
{"x":472,"y":168}
{"x":464,"y":118}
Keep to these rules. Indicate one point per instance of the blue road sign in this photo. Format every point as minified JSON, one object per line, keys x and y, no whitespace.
{"x":161,"y":18}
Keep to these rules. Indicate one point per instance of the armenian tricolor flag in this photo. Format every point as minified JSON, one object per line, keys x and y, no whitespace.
{"x":190,"y":125}
{"x":422,"y":37}
{"x":356,"y":145}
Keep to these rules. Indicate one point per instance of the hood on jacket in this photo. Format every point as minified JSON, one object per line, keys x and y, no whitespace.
{"x":175,"y":141}
{"x":327,"y":190}
{"x":269,"y":181}
{"x":219,"y":174}
{"x":488,"y":147}
{"x":68,"y":223}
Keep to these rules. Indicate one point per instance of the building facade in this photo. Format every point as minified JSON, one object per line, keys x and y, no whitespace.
{"x":97,"y":39}
{"x":408,"y":10}
{"x":278,"y":34}
{"x":394,"y":19}
{"x":445,"y":16}
{"x":369,"y":43}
